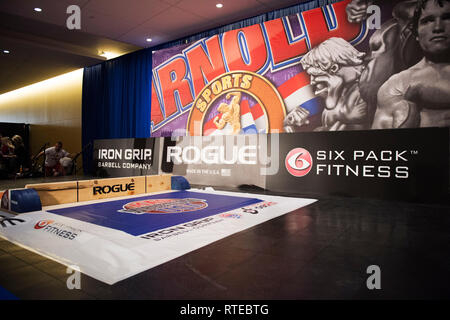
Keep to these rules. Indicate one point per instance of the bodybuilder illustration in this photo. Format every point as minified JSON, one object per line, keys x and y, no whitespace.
{"x":393,"y":48}
{"x":335,"y":67}
{"x":420,"y":95}
{"x":231,"y":113}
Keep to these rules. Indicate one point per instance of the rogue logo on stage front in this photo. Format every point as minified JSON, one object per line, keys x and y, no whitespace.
{"x":114,"y":188}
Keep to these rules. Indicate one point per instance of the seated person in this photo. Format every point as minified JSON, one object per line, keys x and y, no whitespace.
{"x":53,"y":155}
{"x":7,"y":148}
{"x":67,"y":164}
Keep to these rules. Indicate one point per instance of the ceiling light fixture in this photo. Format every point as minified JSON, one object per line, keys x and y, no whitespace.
{"x":38,"y":9}
{"x":6,"y":51}
{"x":219,"y":5}
{"x":109,"y":55}
{"x":149,"y":40}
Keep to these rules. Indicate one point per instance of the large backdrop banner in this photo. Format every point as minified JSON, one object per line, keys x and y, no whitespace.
{"x":351,"y":65}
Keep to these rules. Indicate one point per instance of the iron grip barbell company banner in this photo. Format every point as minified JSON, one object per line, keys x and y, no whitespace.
{"x":124,"y":157}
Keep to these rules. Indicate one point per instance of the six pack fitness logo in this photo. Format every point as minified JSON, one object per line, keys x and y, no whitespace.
{"x":42,"y":224}
{"x":299,"y":162}
{"x":58,"y":229}
{"x":164,"y":206}
{"x":356,"y":163}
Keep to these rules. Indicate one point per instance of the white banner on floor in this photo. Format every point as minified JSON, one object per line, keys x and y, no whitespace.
{"x":110,"y":255}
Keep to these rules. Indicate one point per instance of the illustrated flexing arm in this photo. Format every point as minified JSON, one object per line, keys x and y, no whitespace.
{"x":357,"y":10}
{"x":429,"y":87}
{"x":405,"y":95}
{"x":220,"y":123}
{"x":235,"y":116}
{"x":393,"y":109}
{"x":236,"y":108}
{"x":297,"y":117}
{"x":230,"y":113}
{"x":236,"y":98}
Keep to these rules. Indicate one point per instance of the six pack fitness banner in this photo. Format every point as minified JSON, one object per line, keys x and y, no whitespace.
{"x":414,"y":166}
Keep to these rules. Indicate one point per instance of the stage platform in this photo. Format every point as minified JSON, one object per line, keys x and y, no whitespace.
{"x":317,"y":252}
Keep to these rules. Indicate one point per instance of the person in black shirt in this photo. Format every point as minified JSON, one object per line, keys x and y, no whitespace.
{"x":20,"y":154}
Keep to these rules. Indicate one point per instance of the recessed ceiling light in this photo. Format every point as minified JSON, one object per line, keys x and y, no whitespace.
{"x":6,"y":51}
{"x":37,"y":9}
{"x":149,"y":40}
{"x":219,"y":5}
{"x":109,"y":55}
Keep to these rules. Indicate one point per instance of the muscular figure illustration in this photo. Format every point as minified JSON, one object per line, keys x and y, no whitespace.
{"x":392,"y":48}
{"x":420,"y":95}
{"x":334,"y":67}
{"x":231,"y":113}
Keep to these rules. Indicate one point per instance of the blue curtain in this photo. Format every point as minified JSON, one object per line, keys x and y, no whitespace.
{"x":116,"y":100}
{"x":117,"y":93}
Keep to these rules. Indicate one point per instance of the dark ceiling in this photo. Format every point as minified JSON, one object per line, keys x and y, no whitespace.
{"x":41,"y":46}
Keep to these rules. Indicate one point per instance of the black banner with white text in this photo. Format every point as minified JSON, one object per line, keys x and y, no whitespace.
{"x":408,"y":165}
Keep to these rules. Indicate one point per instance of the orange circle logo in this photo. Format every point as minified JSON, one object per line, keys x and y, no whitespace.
{"x":42,"y":224}
{"x":237,"y":102}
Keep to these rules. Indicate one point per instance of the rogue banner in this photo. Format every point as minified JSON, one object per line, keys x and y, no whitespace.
{"x":228,"y":161}
{"x":351,"y":65}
